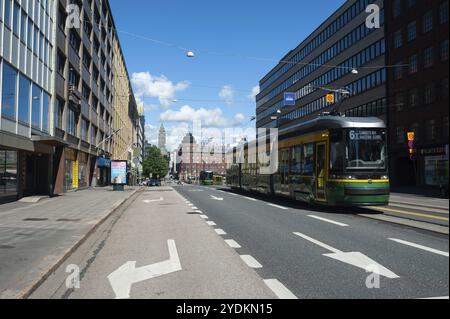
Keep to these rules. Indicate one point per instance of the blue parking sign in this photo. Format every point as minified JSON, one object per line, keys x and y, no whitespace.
{"x":289,"y":99}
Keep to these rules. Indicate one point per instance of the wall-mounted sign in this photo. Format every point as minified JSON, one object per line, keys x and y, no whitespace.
{"x":119,"y":172}
{"x":289,"y":99}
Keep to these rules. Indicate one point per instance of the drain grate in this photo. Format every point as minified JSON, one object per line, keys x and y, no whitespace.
{"x":68,"y":220}
{"x":35,"y":219}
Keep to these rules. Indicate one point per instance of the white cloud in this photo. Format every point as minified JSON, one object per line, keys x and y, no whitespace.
{"x":207,"y":117}
{"x":255,"y":91}
{"x":160,"y":87}
{"x":227,"y":94}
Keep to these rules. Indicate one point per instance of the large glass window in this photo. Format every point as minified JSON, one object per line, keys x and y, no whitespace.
{"x":36,"y":107}
{"x":71,"y":126}
{"x":9,"y":91}
{"x":8,"y":13}
{"x":366,"y":149}
{"x":8,"y":173}
{"x":24,"y":99}
{"x":45,"y":110}
{"x":16,"y":21}
{"x":412,"y":31}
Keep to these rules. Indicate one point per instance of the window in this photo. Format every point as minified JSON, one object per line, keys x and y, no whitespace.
{"x":396,"y":7}
{"x":398,"y":71}
{"x":443,"y":12}
{"x":308,"y":159}
{"x":36,"y":107}
{"x":428,"y":57}
{"x":16,"y":16}
{"x":30,"y":34}
{"x":398,"y":39}
{"x":411,"y":3}
{"x":71,"y":125}
{"x":414,"y":97}
{"x":431,"y":130}
{"x":400,"y":135}
{"x":93,"y":135}
{"x":412,"y":31}
{"x":444,"y":50}
{"x":45,"y":110}
{"x":9,"y":91}
{"x":84,"y":129}
{"x":427,"y":23}
{"x":413,"y":67}
{"x":24,"y":99}
{"x":445,"y":126}
{"x":86,"y":92}
{"x":23,"y":28}
{"x":444,"y":88}
{"x":8,"y":13}
{"x":8,"y":172}
{"x":59,"y":109}
{"x":400,"y":101}
{"x":73,"y":78}
{"x":429,"y":94}
{"x":61,"y":60}
{"x":74,"y":40}
{"x":62,"y":16}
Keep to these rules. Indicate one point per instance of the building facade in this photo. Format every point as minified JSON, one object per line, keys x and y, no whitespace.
{"x":417,"y":37}
{"x":342,"y":53}
{"x":67,"y":107}
{"x":27,"y":45}
{"x":193,"y":158}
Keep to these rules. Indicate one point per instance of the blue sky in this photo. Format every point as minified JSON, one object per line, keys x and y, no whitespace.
{"x":216,"y":85}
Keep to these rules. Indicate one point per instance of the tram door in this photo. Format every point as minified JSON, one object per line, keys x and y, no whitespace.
{"x":321,"y":171}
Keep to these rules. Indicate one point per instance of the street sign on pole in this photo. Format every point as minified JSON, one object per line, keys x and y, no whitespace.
{"x":330,"y":98}
{"x":289,"y":99}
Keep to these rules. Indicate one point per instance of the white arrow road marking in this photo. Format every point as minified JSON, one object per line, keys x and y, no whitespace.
{"x":216,"y":198}
{"x":279,"y":289}
{"x":147,"y":201}
{"x":356,"y":259}
{"x":328,"y":221}
{"x":431,"y":250}
{"x":125,"y":276}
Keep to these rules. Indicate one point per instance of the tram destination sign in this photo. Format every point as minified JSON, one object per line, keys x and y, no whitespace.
{"x":365,"y":135}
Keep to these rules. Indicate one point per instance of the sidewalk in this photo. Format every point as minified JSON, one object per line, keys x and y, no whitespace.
{"x":34,"y":238}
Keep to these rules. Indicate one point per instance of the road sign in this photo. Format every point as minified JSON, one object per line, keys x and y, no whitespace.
{"x":289,"y":99}
{"x":330,"y":98}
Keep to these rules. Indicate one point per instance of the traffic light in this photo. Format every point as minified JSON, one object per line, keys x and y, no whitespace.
{"x":412,"y":145}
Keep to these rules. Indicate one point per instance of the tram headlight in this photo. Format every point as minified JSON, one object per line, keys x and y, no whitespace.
{"x":385,"y":177}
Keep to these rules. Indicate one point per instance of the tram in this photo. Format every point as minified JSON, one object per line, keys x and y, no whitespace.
{"x":330,"y":160}
{"x":206,"y":178}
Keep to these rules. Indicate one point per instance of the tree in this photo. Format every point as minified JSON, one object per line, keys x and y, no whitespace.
{"x":156,"y":165}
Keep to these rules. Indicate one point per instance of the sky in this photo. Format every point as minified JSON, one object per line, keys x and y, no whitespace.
{"x":235,"y":44}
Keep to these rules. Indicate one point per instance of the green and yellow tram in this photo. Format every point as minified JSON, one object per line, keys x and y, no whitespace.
{"x":330,"y":160}
{"x":206,"y":178}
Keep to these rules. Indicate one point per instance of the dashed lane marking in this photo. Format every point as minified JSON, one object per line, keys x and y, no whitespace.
{"x":431,"y":250}
{"x":328,"y":221}
{"x":251,"y":262}
{"x":233,"y":244}
{"x":220,"y":232}
{"x":278,"y":206}
{"x":279,"y":289}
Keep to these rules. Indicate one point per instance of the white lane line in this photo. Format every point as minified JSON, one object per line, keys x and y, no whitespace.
{"x":277,"y":206}
{"x":328,"y":221}
{"x":220,"y":232}
{"x":431,"y":250}
{"x":251,"y":262}
{"x":233,"y":194}
{"x":233,"y":244}
{"x":318,"y":243}
{"x":436,"y":298}
{"x":279,"y":289}
{"x":194,"y":208}
{"x":252,"y":199}
{"x":204,"y":217}
{"x":211,"y":223}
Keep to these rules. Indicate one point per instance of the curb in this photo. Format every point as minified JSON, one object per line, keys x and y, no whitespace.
{"x":28,"y":291}
{"x":410,"y":223}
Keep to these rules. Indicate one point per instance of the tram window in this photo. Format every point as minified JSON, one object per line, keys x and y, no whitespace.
{"x":308,"y":159}
{"x":337,"y":155}
{"x":296,"y":160}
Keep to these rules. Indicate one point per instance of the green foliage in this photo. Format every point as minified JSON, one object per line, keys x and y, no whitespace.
{"x":156,"y":165}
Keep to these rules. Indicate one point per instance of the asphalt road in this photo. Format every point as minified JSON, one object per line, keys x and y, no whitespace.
{"x":323,"y":253}
{"x":154,"y":247}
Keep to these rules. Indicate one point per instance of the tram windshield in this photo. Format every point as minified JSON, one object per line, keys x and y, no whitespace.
{"x":359,"y":149}
{"x":366,"y":149}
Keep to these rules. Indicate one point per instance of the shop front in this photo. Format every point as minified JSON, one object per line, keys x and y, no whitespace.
{"x":76,"y":170}
{"x":435,"y":166}
{"x":9,"y":188}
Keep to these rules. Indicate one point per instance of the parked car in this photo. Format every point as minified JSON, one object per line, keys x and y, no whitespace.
{"x":154,"y":183}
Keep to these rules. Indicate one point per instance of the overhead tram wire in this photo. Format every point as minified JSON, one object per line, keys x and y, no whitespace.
{"x":181,"y":48}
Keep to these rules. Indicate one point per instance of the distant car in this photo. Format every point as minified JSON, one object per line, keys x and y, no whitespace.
{"x":154,"y":183}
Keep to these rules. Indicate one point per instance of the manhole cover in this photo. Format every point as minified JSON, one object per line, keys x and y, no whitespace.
{"x":35,"y":219}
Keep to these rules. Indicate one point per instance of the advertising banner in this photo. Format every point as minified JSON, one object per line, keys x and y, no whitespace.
{"x":119,"y":172}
